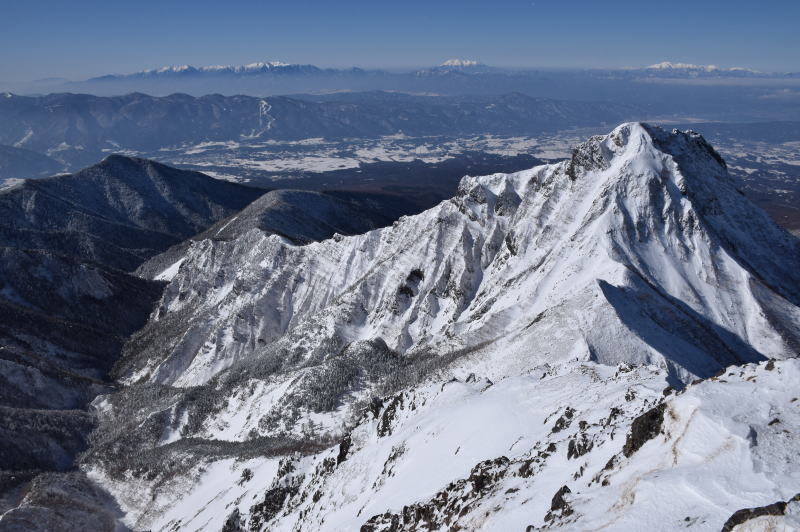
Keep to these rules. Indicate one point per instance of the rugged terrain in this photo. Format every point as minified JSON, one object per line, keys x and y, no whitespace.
{"x":69,"y":300}
{"x":562,"y":347}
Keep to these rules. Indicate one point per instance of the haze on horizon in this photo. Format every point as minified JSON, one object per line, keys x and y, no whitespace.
{"x":48,"y":38}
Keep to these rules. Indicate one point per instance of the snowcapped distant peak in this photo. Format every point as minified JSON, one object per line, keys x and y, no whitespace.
{"x":214,"y":69}
{"x":460,"y":63}
{"x":250,"y":67}
{"x":171,"y":68}
{"x":262,"y":65}
{"x":668,"y":65}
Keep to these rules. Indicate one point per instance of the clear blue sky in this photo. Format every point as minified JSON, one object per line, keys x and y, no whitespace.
{"x":76,"y":39}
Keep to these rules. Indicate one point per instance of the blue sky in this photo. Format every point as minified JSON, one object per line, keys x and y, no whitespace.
{"x":77,"y":39}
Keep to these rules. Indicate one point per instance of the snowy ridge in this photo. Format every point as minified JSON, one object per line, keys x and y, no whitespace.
{"x":251,"y":68}
{"x":460,"y":63}
{"x":667,"y":65}
{"x":474,"y":359}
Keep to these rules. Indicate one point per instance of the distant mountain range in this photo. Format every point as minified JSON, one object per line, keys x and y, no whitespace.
{"x":661,"y":89}
{"x":252,"y":69}
{"x":670,"y":67}
{"x":279,"y":68}
{"x":78,"y":129}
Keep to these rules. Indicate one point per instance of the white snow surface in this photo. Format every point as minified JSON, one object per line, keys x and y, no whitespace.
{"x":460,"y":63}
{"x":170,"y":272}
{"x":715,"y":453}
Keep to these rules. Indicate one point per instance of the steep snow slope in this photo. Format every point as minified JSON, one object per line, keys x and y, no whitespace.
{"x":516,"y":334}
{"x":468,"y":454}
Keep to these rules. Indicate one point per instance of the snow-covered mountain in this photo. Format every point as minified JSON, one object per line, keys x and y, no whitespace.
{"x":507,"y":359}
{"x":300,"y":216}
{"x":460,"y":63}
{"x":690,"y":67}
{"x":566,"y":447}
{"x":637,"y":219}
{"x":262,"y":67}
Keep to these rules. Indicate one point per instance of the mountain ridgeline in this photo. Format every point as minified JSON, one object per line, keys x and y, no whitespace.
{"x":734,"y":94}
{"x":117,"y":213}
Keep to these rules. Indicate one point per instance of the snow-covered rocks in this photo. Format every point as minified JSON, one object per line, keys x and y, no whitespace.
{"x":477,"y":455}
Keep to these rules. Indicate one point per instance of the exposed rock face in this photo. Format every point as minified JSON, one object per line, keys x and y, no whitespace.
{"x":645,"y":427}
{"x":559,"y":507}
{"x":747,"y":515}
